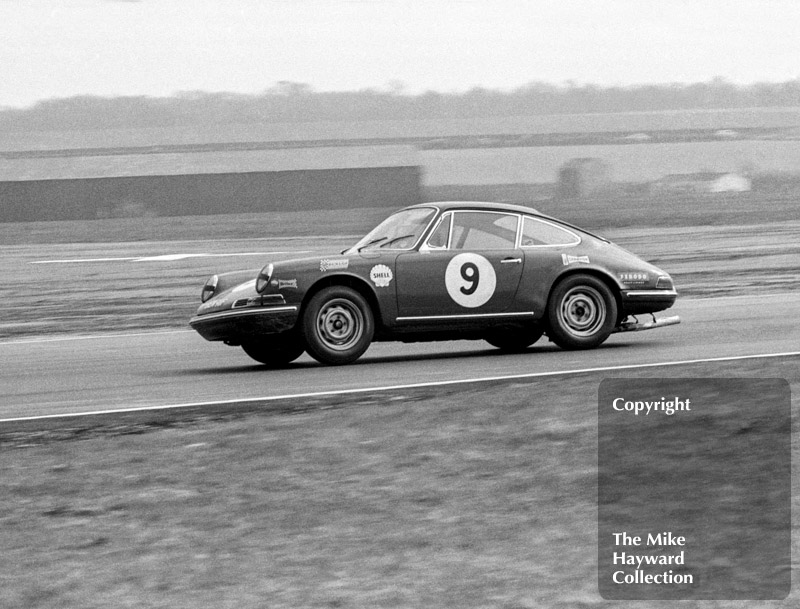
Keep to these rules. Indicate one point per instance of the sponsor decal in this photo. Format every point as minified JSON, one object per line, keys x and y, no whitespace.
{"x":333,"y":264}
{"x":634,"y":277}
{"x":567,"y":259}
{"x":470,"y":280}
{"x":287,"y":283}
{"x":381,"y":275}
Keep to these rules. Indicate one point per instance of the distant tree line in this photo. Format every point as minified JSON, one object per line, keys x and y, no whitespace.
{"x":296,"y":102}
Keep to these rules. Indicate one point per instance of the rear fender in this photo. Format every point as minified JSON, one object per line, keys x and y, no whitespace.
{"x":612,"y":282}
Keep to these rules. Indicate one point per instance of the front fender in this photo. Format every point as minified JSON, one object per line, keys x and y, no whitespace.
{"x":383,"y":301}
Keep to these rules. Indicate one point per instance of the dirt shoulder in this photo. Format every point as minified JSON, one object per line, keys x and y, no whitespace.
{"x":713,"y":246}
{"x":147,"y":285}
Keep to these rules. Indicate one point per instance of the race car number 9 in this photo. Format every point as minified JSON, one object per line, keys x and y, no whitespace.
{"x":470,"y":280}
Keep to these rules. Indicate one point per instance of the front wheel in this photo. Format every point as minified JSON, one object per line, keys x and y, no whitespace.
{"x":581,"y":312}
{"x":276,"y":351}
{"x":337,"y":325}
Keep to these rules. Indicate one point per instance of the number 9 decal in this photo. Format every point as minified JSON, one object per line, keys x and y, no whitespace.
{"x":470,"y":280}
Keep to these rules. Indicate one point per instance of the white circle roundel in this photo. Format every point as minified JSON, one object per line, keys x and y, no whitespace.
{"x":470,"y":280}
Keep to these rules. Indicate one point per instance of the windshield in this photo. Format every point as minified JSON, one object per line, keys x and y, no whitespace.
{"x":400,"y":231}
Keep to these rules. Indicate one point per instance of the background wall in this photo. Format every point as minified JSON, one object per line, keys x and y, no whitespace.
{"x":203,"y":194}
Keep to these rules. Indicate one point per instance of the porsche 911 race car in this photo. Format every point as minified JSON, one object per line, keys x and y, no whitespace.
{"x":439,"y":271}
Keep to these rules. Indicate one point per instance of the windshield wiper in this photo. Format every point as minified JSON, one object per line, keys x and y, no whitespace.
{"x":373,"y":242}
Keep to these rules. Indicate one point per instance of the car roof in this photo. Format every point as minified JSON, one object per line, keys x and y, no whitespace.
{"x":448,"y":205}
{"x":509,"y":207}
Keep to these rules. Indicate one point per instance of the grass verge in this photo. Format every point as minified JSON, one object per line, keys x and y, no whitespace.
{"x":480,"y":496}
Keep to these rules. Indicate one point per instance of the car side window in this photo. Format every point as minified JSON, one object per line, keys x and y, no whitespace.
{"x":441,"y":234}
{"x":536,"y":232}
{"x":480,"y":230}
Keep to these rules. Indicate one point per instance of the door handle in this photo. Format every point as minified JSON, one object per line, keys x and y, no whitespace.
{"x":511,"y":261}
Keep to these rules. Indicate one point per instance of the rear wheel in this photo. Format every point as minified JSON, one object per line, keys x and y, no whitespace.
{"x":276,"y":351}
{"x":581,"y":312}
{"x":515,"y":340}
{"x":337,"y":325}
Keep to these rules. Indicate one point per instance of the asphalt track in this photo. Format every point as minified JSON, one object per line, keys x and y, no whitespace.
{"x":50,"y":377}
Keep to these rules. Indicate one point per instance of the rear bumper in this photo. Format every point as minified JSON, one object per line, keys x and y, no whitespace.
{"x":241,"y":324}
{"x":636,"y":326}
{"x":647,"y":301}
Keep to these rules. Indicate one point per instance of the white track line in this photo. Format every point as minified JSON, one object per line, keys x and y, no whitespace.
{"x":165,"y":257}
{"x":714,"y":299}
{"x":58,"y":339}
{"x":485,"y":379}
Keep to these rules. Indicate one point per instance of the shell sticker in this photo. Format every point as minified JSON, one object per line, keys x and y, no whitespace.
{"x":470,"y":280}
{"x":381,"y":275}
{"x":333,"y":264}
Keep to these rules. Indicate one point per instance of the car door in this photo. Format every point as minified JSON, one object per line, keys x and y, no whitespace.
{"x":470,"y":267}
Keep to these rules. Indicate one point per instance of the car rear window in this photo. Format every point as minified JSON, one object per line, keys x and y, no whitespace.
{"x":537,"y":232}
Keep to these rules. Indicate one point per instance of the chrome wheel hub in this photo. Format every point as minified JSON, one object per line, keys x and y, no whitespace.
{"x":340,"y":324}
{"x":583,"y":311}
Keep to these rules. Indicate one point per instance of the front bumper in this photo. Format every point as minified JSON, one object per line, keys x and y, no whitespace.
{"x":647,"y":301}
{"x":236,"y":325}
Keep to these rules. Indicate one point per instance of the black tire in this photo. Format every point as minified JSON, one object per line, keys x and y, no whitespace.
{"x":515,"y":340}
{"x":581,"y":312}
{"x":338,"y":325}
{"x":276,"y":351}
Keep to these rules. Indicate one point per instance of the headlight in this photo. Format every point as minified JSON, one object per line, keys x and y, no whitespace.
{"x":664,"y":282}
{"x":209,"y":288}
{"x":262,"y":281}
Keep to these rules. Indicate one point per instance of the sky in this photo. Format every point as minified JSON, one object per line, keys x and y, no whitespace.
{"x":62,"y":48}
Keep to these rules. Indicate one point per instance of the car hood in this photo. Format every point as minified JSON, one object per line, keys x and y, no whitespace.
{"x":239,"y":287}
{"x":227,"y":298}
